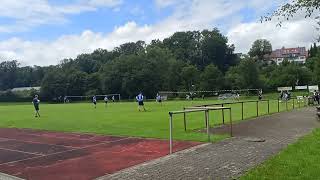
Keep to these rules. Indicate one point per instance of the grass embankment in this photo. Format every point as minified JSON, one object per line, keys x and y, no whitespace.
{"x":299,"y":161}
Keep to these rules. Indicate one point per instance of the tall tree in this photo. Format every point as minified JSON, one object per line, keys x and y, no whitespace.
{"x":8,"y":74}
{"x":244,"y":76}
{"x":260,"y":48}
{"x":211,"y":78}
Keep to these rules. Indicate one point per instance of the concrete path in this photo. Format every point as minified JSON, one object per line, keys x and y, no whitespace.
{"x":230,"y":158}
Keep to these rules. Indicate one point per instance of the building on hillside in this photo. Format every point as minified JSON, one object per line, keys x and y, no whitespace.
{"x":25,"y":89}
{"x":241,"y":55}
{"x":298,"y":55}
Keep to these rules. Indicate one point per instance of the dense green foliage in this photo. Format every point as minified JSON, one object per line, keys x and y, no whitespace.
{"x":185,"y":61}
{"x":260,"y":48}
{"x":298,"y":161}
{"x":288,"y":10}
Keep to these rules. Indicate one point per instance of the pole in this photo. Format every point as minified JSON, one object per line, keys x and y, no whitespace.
{"x":222,"y":113}
{"x":268,"y":106}
{"x":205,"y":119}
{"x":257,"y":108}
{"x":208,"y":127}
{"x":170,"y":133}
{"x":231,"y":134}
{"x":242,"y":109}
{"x":184,"y":120}
{"x":278,"y":106}
{"x":293,"y":103}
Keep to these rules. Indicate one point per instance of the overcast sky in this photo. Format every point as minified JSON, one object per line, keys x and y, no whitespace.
{"x":43,"y":32}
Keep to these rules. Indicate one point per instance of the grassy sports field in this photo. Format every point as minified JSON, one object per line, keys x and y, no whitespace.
{"x":123,"y":118}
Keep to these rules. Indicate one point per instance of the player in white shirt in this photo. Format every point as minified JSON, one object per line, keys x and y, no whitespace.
{"x":94,"y":101}
{"x":106,"y":100}
{"x":159,"y":99}
{"x":140,"y":99}
{"x":36,"y":103}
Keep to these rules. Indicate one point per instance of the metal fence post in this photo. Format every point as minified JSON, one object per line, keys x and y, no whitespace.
{"x":205,"y":119}
{"x":184,"y":120}
{"x":231,"y":134}
{"x":208,"y":127}
{"x":268,"y":106}
{"x":257,"y":108}
{"x":293,"y":103}
{"x":242,"y":110}
{"x":170,"y":133}
{"x":222,"y":113}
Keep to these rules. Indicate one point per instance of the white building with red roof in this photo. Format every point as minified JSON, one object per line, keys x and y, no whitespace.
{"x":298,"y":55}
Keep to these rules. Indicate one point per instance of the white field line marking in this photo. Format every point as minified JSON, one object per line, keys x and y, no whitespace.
{"x":24,"y":152}
{"x":65,"y":151}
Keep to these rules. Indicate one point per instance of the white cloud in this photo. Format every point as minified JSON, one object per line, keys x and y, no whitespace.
{"x":106,"y":3}
{"x":166,"y":3}
{"x":293,"y":33}
{"x":26,"y":14}
{"x":190,"y":15}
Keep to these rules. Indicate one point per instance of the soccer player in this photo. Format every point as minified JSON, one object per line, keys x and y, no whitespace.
{"x":260,"y":95}
{"x":106,"y":100}
{"x":140,"y":101}
{"x":113,"y":99}
{"x":158,"y":98}
{"x":94,"y":100}
{"x":36,"y":103}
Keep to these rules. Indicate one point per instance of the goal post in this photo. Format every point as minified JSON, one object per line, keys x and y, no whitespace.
{"x":208,"y":93}
{"x":115,"y":97}
{"x":111,"y":97}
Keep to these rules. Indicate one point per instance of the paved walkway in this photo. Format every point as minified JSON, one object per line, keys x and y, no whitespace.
{"x":230,"y":158}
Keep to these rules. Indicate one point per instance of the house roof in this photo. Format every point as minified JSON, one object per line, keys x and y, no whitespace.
{"x":289,"y":52}
{"x":24,"y":89}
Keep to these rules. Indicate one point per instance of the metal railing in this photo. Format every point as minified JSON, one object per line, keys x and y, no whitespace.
{"x":295,"y":104}
{"x":192,"y":110}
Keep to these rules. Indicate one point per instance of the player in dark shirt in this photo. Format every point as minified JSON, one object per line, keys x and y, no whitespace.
{"x":36,"y":103}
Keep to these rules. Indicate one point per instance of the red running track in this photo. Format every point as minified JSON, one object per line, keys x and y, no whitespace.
{"x":39,"y":155}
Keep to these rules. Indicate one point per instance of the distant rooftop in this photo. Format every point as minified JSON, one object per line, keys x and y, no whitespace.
{"x":24,"y":89}
{"x":289,"y":52}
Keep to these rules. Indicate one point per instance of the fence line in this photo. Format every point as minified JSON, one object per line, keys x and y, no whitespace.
{"x":258,"y":108}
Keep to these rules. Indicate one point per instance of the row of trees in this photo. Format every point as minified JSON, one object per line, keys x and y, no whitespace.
{"x":203,"y":59}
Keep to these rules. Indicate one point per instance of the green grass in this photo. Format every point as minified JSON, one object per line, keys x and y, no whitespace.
{"x":299,"y":161}
{"x":123,"y":119}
